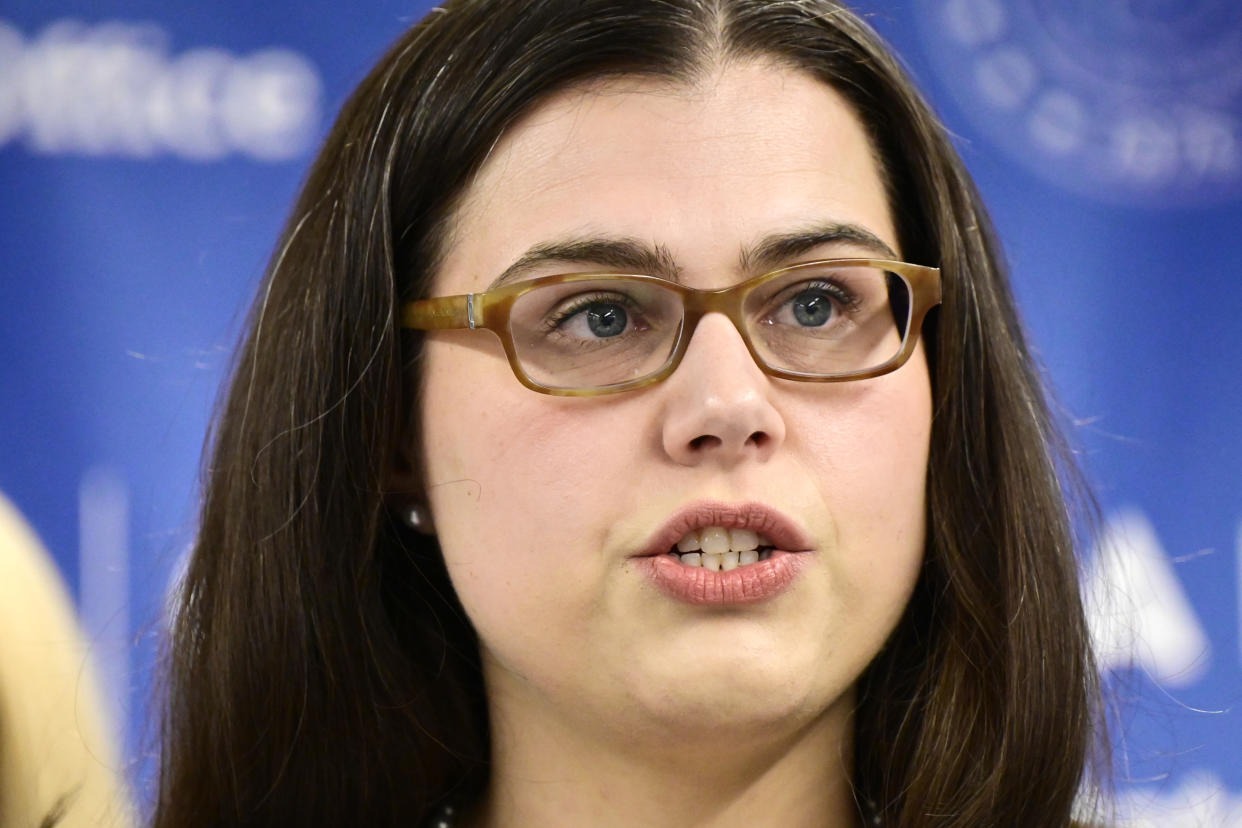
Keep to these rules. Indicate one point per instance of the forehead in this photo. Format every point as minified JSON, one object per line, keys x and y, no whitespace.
{"x":703,"y":170}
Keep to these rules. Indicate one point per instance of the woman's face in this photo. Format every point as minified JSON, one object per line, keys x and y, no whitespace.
{"x":546,"y":507}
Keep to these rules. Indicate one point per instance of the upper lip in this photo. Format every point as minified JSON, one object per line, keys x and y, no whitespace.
{"x":783,"y":532}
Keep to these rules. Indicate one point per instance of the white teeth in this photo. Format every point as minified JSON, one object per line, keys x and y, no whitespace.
{"x":723,"y":562}
{"x":715,"y":540}
{"x":742,"y":539}
{"x":690,"y":543}
{"x":717,"y":548}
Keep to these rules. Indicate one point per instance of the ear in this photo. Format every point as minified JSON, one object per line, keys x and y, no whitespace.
{"x":404,"y":478}
{"x":405,"y":492}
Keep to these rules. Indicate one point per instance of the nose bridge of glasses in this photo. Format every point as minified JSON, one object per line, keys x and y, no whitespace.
{"x":725,"y":301}
{"x":728,"y":302}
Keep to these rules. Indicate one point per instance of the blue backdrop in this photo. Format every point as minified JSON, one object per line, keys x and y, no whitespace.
{"x":149,"y":152}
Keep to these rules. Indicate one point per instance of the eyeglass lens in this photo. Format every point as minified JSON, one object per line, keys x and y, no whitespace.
{"x":817,"y":321}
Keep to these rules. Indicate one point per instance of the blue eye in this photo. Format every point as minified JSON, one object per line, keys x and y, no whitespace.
{"x":812,"y":308}
{"x":606,"y":319}
{"x":596,"y":317}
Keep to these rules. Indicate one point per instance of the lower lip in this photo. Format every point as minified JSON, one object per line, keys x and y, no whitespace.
{"x":748,"y":584}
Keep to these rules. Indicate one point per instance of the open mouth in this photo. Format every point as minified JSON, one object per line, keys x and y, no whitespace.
{"x":711,"y":553}
{"x":724,"y":536}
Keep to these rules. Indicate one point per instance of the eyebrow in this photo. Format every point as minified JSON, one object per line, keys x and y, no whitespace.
{"x":773,"y":251}
{"x":619,"y":253}
{"x":636,"y":256}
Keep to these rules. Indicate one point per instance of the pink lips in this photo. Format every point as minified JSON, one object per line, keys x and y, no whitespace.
{"x":744,"y":585}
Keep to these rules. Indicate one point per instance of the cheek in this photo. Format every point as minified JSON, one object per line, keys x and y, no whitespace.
{"x":485,"y":476}
{"x":868,"y":454}
{"x":871,"y":444}
{"x":497,"y":450}
{"x":522,"y":488}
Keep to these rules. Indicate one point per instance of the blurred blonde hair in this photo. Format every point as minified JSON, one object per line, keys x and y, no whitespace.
{"x":58,"y":759}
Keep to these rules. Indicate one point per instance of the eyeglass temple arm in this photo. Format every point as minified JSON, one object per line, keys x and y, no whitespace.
{"x":440,"y":313}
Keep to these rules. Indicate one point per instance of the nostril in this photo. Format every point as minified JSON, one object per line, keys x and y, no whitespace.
{"x":759,"y":439}
{"x":705,"y":441}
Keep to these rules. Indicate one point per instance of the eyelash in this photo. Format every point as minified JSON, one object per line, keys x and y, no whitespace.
{"x":848,"y":299}
{"x":562,"y":314}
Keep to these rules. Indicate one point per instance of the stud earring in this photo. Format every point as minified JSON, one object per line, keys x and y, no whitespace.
{"x":415,"y":516}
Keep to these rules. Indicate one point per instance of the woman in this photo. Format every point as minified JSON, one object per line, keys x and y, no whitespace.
{"x":649,"y":552}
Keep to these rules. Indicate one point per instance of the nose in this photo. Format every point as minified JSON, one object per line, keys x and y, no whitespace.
{"x":719,"y":406}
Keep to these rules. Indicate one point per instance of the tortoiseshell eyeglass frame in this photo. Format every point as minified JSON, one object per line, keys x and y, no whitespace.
{"x":491,"y":309}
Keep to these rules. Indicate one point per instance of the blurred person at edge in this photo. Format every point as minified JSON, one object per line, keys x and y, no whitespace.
{"x":58,"y":763}
{"x":745,"y":509}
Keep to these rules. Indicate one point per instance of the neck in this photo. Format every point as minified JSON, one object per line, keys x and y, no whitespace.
{"x":552,"y":769}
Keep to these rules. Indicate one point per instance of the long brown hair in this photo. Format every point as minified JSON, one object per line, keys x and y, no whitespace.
{"x":321,"y":669}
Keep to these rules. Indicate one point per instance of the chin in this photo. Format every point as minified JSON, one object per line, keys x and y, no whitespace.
{"x":736,"y":697}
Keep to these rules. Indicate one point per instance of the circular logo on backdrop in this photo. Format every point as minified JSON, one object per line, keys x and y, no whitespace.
{"x":1127,"y":101}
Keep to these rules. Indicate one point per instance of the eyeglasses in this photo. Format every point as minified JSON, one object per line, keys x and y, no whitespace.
{"x":587,"y":334}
